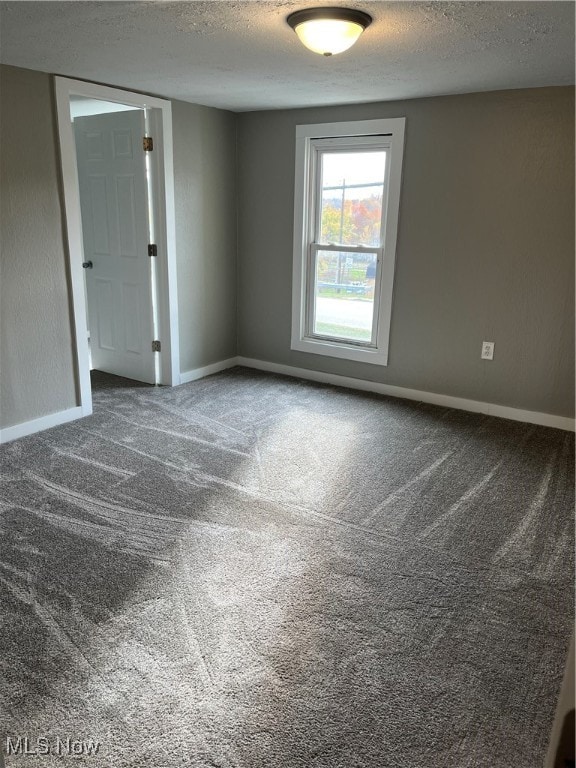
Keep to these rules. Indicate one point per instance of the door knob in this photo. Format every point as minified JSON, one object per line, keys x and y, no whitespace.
{"x":87,"y":264}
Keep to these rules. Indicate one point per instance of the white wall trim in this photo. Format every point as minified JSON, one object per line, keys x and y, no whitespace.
{"x":208,"y":370}
{"x":448,"y":401}
{"x":39,"y":425}
{"x":167,"y":305}
{"x":474,"y":406}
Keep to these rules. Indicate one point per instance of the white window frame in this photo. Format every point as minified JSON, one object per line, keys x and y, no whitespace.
{"x":387,"y":134}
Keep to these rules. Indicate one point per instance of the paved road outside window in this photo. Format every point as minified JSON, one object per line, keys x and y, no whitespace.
{"x":354,"y":313}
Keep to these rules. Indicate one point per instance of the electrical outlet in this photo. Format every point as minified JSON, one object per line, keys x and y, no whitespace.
{"x":487,"y":350}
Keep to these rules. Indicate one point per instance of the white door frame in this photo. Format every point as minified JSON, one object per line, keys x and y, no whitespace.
{"x":163,"y":172}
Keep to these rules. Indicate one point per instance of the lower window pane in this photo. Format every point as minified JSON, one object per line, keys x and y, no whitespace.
{"x":344,"y":295}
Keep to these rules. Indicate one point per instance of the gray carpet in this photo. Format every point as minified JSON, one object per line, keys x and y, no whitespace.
{"x":257,"y":572}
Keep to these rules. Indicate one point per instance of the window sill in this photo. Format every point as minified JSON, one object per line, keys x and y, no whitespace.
{"x":341,"y":350}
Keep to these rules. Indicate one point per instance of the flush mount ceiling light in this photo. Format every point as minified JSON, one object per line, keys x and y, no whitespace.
{"x":328,"y":30}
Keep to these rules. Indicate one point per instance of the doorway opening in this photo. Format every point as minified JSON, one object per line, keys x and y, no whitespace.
{"x":117,"y":167}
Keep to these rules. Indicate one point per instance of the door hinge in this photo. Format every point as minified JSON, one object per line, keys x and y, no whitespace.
{"x":156,"y":346}
{"x":148,"y":143}
{"x":152,"y":249}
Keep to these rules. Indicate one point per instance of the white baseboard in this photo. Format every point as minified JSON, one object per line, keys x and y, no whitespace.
{"x":207,"y":370}
{"x":39,"y":425}
{"x":54,"y":419}
{"x":505,"y":412}
{"x":475,"y":406}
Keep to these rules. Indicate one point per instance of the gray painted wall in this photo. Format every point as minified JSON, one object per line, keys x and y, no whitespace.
{"x":36,"y":347}
{"x":485,"y":247}
{"x":205,"y":192}
{"x":485,"y":252}
{"x":37,"y":371}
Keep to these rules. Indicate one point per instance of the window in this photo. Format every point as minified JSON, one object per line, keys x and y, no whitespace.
{"x":345,"y":222}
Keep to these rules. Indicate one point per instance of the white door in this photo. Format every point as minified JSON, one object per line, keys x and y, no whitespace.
{"x":114,"y":204}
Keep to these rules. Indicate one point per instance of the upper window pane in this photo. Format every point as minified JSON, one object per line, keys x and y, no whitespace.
{"x":352,"y":190}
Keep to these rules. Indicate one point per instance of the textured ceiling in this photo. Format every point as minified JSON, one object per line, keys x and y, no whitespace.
{"x":243,"y":56}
